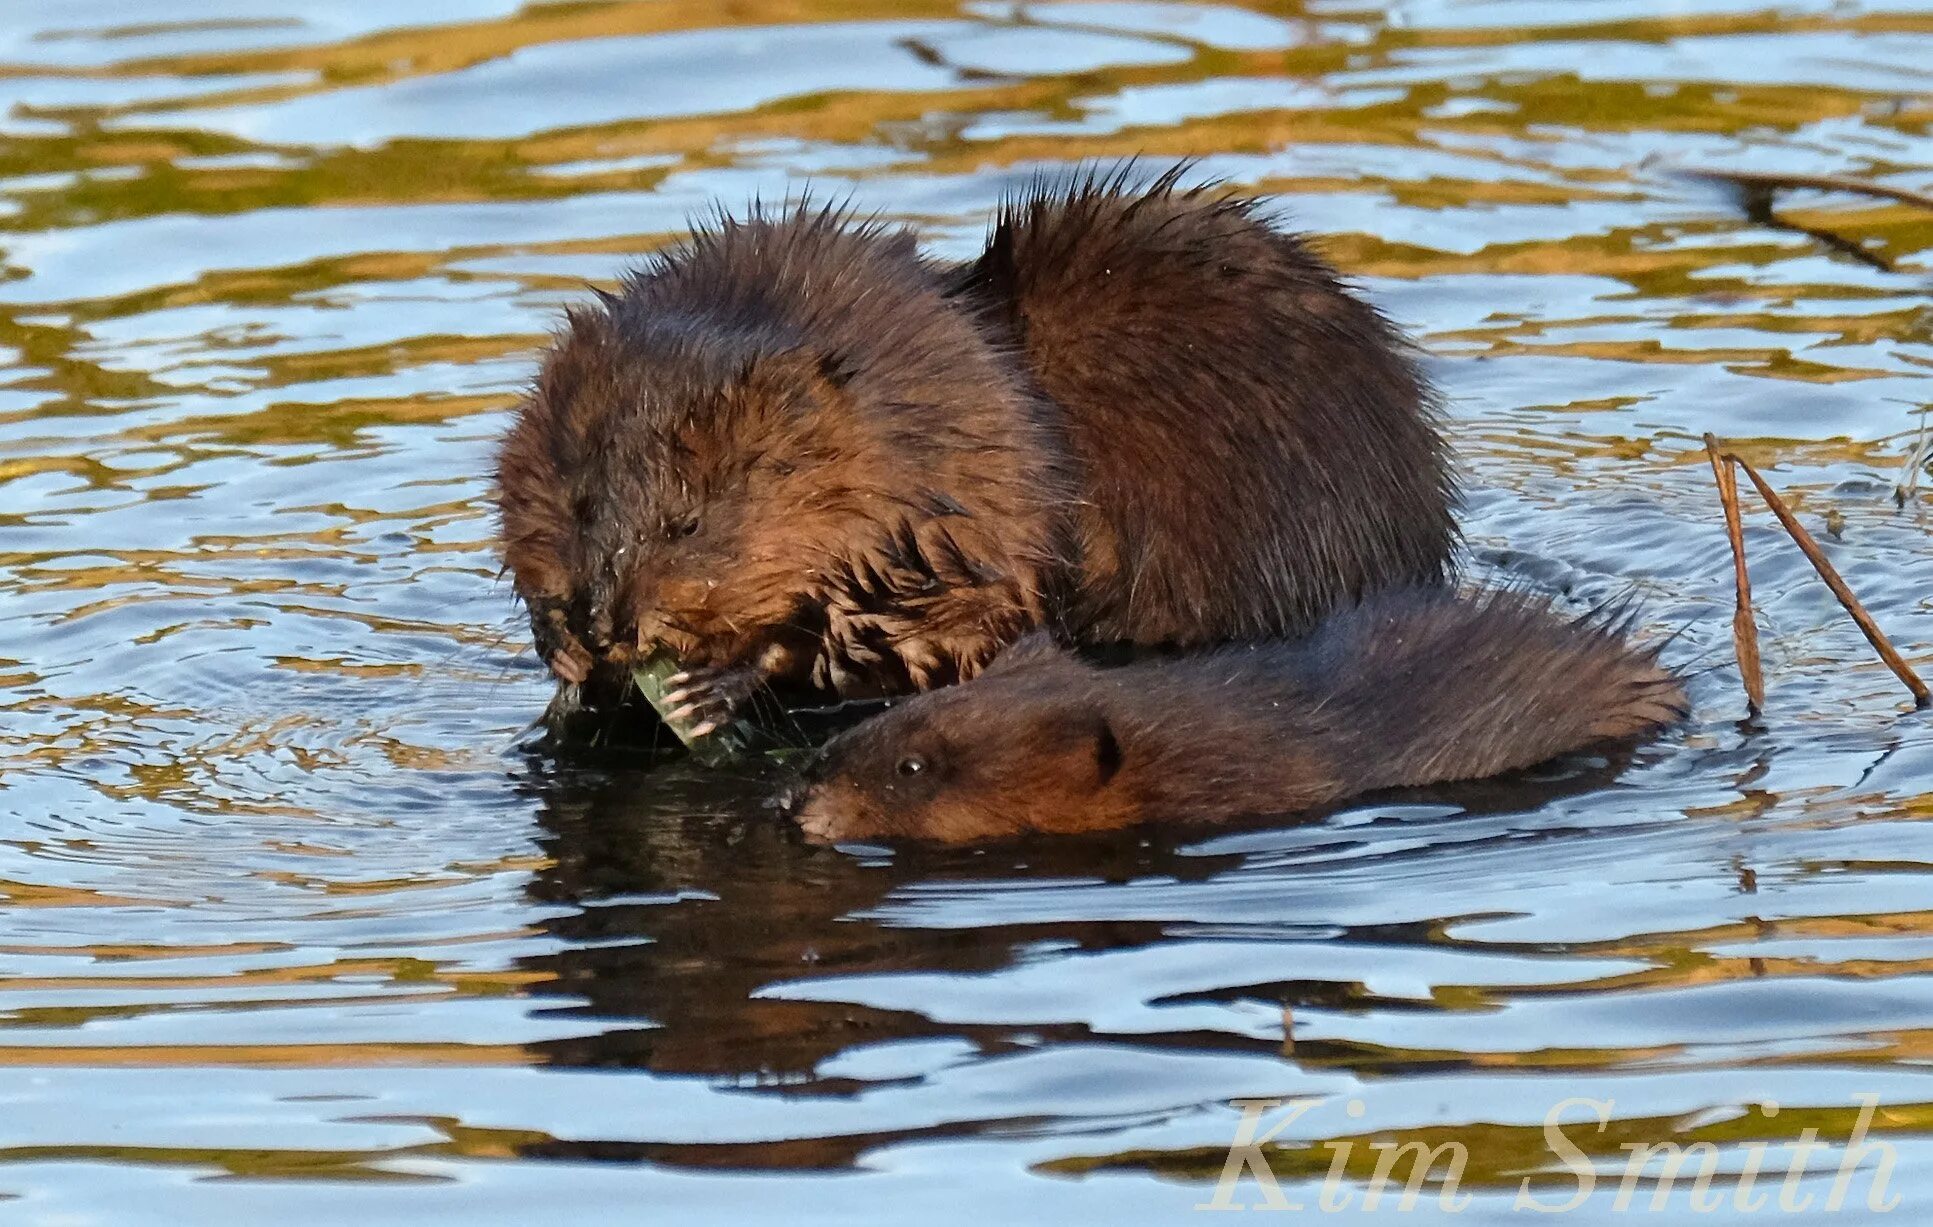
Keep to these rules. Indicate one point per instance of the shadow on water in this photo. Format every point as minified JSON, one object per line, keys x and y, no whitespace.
{"x":692,"y":900}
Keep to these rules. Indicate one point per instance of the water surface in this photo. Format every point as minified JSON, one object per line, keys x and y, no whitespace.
{"x":293,"y":925}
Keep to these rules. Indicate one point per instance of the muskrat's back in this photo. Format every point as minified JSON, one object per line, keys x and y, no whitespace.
{"x":1411,"y":687}
{"x":1419,"y":687}
{"x":1258,"y":444}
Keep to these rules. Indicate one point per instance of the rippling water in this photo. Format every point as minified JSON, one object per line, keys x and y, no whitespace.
{"x":294,"y":931}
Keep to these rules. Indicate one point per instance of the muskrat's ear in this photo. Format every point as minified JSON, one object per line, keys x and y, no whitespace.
{"x":1033,"y":648}
{"x":1107,"y":749}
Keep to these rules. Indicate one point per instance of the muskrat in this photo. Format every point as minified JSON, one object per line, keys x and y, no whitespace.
{"x":793,"y":452}
{"x":1410,"y":687}
{"x":782,"y":453}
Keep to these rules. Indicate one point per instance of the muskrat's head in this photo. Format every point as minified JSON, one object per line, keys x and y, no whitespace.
{"x":678,"y":491}
{"x":1026,"y":746}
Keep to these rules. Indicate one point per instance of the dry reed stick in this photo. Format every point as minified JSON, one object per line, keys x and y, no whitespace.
{"x":1744,"y":628}
{"x":1816,"y":556}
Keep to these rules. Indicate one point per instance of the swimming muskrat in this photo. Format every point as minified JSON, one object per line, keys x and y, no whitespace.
{"x":1411,"y":687}
{"x":792,"y":452}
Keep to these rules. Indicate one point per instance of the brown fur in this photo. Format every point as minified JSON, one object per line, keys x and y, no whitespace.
{"x":1141,"y":416}
{"x":1258,"y":445}
{"x":780,"y":449}
{"x":1409,"y":688}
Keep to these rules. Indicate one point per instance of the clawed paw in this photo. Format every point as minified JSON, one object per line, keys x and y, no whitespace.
{"x":704,"y":700}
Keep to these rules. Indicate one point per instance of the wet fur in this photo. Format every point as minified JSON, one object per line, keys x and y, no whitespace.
{"x":1414,"y":687}
{"x":779,"y":448}
{"x":1142,"y":416}
{"x":1258,"y":444}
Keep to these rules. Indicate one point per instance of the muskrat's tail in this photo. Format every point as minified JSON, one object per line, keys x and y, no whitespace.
{"x":1450,"y":686}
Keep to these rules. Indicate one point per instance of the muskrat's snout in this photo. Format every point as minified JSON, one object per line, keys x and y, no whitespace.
{"x":810,"y":802}
{"x":790,"y":797}
{"x":786,"y":799}
{"x":601,"y":629}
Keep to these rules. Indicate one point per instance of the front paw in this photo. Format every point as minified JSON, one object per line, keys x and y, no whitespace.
{"x":701,"y":701}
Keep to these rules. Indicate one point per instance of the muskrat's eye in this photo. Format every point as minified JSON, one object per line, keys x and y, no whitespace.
{"x":912,"y":764}
{"x":686,"y":527}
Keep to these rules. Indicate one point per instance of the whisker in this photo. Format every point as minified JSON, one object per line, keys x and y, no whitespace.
{"x":792,"y":735}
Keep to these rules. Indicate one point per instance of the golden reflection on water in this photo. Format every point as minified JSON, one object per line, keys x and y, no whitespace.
{"x":269,"y":292}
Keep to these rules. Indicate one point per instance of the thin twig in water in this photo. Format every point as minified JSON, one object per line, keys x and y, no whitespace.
{"x":1744,"y":628}
{"x":1772,"y":181}
{"x":1816,"y":556}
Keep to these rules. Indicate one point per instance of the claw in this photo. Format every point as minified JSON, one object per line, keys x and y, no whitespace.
{"x":678,"y":715}
{"x":568,"y":668}
{"x":704,"y":730}
{"x":682,"y":694}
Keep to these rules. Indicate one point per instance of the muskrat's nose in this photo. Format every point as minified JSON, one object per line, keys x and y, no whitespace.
{"x":788,"y":797}
{"x":792,"y":794}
